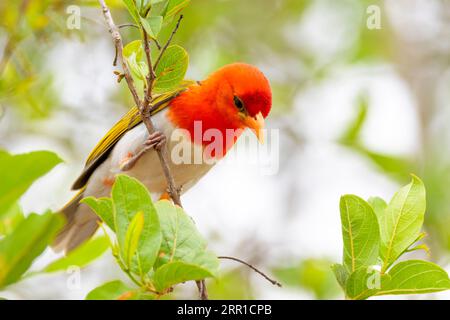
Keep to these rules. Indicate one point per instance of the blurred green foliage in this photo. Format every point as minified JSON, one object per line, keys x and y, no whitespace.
{"x":24,"y":239}
{"x":313,"y":275}
{"x":214,"y":33}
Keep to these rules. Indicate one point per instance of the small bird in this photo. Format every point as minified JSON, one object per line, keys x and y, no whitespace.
{"x":235,"y":97}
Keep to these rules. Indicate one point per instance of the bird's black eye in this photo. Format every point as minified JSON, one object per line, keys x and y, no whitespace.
{"x":239,"y":104}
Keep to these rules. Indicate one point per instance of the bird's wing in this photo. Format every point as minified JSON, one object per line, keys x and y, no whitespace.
{"x":131,"y":119}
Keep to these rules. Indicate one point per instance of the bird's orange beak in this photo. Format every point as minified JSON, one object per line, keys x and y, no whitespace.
{"x":256,"y":124}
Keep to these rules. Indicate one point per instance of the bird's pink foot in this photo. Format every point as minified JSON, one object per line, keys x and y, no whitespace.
{"x":155,"y":141}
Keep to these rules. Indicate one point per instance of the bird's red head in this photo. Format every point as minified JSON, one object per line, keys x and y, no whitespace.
{"x":237,"y":96}
{"x":243,"y":96}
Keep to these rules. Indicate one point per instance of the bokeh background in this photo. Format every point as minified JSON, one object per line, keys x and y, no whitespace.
{"x":357,"y":111}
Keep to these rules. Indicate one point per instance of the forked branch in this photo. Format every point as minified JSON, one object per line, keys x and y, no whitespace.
{"x":145,"y":105}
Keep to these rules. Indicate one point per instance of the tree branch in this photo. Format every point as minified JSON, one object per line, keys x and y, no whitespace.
{"x":119,"y":51}
{"x":145,"y":106}
{"x":274,"y":282}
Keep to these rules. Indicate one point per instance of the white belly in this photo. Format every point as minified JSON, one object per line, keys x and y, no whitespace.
{"x":148,"y":168}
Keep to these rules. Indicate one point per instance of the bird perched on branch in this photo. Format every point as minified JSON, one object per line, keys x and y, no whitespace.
{"x":235,"y":97}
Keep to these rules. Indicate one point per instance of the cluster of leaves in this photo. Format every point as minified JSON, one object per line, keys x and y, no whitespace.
{"x":24,"y":80}
{"x":375,"y":236}
{"x":433,"y":165}
{"x":155,"y":244}
{"x":24,"y":238}
{"x":152,"y":16}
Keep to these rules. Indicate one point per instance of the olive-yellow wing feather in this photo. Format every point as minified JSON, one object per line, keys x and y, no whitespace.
{"x":129,"y":121}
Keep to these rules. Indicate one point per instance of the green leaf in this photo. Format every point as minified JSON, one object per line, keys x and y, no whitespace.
{"x":133,"y":53}
{"x":114,"y":290}
{"x":132,"y":237}
{"x":132,"y":9}
{"x":18,"y":172}
{"x":152,"y":25}
{"x":341,"y":274}
{"x":19,"y":249}
{"x":363,"y":283}
{"x":103,"y":207}
{"x":177,"y":272}
{"x":181,"y":240}
{"x":10,"y":219}
{"x":378,"y":205}
{"x":359,"y":232}
{"x":401,"y":224}
{"x":130,"y":197}
{"x":174,"y":7}
{"x":171,"y":69}
{"x":81,"y":256}
{"x":415,"y":276}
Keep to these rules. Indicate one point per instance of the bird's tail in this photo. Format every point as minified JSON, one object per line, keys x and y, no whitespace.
{"x":81,"y":224}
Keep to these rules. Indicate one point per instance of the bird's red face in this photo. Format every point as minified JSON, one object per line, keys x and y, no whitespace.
{"x":244,"y":97}
{"x":233,"y":98}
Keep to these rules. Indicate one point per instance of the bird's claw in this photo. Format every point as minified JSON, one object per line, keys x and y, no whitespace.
{"x":156,"y":141}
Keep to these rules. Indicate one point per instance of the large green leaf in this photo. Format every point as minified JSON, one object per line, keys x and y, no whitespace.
{"x":130,"y":197}
{"x":402,"y":221}
{"x":19,"y":249}
{"x":415,"y":276}
{"x":103,"y":207}
{"x":181,"y":239}
{"x":18,"y":172}
{"x":171,"y":69}
{"x":177,"y":272}
{"x":81,"y":256}
{"x":359,"y":232}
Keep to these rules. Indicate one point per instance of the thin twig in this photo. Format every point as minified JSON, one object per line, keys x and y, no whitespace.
{"x":151,"y":74}
{"x":157,"y":43}
{"x":161,"y":53}
{"x":123,"y":25}
{"x":274,"y":282}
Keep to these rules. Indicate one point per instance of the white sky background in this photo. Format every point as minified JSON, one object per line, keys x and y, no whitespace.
{"x":234,"y":204}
